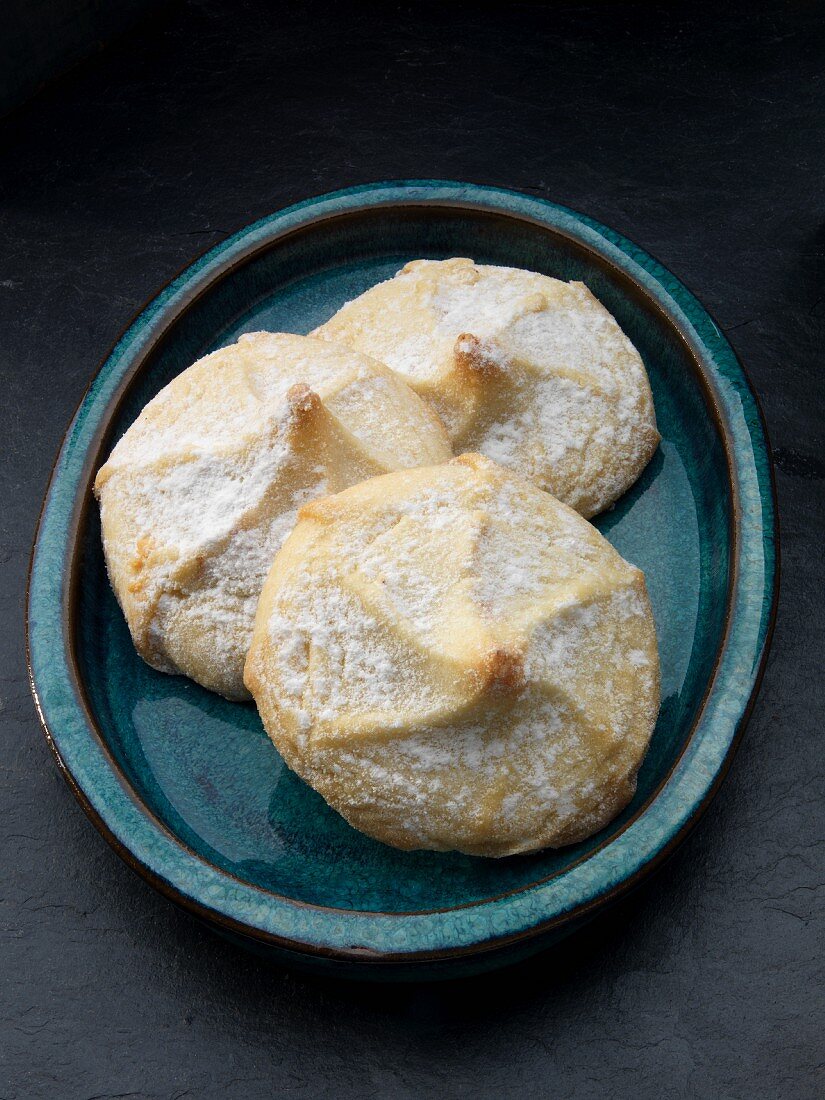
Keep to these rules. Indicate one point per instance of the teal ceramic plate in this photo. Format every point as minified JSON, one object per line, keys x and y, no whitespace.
{"x":187,"y":787}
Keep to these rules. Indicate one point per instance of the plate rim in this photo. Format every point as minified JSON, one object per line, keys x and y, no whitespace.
{"x":492,"y":922}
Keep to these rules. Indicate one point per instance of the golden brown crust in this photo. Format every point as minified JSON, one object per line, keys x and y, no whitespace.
{"x":529,"y":370}
{"x":473,"y":361}
{"x":456,"y":660}
{"x":303,"y":402}
{"x":502,"y":670}
{"x":197,"y":496}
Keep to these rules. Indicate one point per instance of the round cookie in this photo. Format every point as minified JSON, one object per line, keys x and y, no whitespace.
{"x":202,"y":489}
{"x":456,"y":660}
{"x":528,"y":370}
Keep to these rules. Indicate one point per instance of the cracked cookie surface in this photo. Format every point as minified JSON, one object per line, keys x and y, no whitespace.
{"x":531,"y":371}
{"x":198,"y":495}
{"x":456,"y":660}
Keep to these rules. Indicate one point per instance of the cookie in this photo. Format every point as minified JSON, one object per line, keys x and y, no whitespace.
{"x":199,"y":493}
{"x":456,"y":660}
{"x":528,"y":370}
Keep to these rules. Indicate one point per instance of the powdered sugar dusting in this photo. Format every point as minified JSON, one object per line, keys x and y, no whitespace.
{"x":199,"y":494}
{"x":529,"y":370}
{"x":377,"y":643}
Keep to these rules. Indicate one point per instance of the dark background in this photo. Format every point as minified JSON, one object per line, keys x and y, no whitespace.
{"x":700,"y":134}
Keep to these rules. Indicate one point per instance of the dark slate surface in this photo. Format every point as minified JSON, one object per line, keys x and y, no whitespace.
{"x":699,"y":135}
{"x":41,"y":41}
